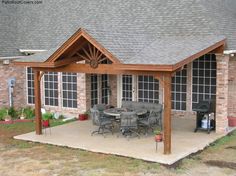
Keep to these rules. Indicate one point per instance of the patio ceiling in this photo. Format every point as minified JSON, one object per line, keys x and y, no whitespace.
{"x":83,"y":54}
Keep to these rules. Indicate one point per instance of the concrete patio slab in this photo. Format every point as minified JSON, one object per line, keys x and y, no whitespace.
{"x":78,"y":135}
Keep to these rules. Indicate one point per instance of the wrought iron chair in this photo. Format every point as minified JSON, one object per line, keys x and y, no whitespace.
{"x":153,"y":119}
{"x":104,"y":124}
{"x":129,"y":124}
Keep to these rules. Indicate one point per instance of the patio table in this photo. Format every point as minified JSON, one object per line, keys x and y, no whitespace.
{"x":116,"y":112}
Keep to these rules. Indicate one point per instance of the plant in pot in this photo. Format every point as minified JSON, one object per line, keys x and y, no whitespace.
{"x":84,"y":116}
{"x":46,"y":117}
{"x":158,"y":135}
{"x":232,"y":121}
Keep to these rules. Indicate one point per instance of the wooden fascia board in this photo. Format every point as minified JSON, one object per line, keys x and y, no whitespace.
{"x":199,"y":54}
{"x":34,"y":64}
{"x":102,"y":69}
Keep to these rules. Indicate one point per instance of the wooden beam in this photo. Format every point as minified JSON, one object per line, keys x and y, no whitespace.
{"x":167,"y":113}
{"x":135,"y":67}
{"x":102,"y":69}
{"x":38,"y":116}
{"x":66,"y":61}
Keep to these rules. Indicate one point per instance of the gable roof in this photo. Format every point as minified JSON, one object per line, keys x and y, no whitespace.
{"x":124,"y":28}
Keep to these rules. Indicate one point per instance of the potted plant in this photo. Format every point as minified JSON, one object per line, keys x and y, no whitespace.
{"x":46,"y":117}
{"x":232,"y":121}
{"x":84,"y":116}
{"x":158,"y":135}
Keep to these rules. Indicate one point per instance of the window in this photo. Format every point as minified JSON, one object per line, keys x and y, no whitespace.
{"x":179,"y":90}
{"x":204,"y":79}
{"x":94,"y":89}
{"x":51,"y":89}
{"x":127,"y":87}
{"x":148,"y":89}
{"x":30,"y":86}
{"x":105,"y":88}
{"x":69,"y":90}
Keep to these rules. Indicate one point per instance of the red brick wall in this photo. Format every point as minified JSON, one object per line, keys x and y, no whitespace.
{"x":19,"y":95}
{"x":232,"y":87}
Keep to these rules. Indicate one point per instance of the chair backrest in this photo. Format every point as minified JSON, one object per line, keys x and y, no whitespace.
{"x":129,"y":120}
{"x":154,"y":116}
{"x":95,"y":114}
{"x":100,"y":107}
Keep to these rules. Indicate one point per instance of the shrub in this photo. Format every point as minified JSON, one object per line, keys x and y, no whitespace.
{"x":12,"y":112}
{"x":47,"y":116}
{"x":28,"y":112}
{"x":3,"y":113}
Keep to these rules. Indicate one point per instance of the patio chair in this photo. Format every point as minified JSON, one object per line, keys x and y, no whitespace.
{"x":104,"y":124}
{"x":153,"y":119}
{"x":129,"y":124}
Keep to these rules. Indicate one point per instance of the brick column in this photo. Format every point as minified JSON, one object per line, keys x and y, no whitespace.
{"x":222,"y":93}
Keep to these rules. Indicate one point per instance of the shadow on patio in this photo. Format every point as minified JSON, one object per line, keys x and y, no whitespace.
{"x":78,"y":135}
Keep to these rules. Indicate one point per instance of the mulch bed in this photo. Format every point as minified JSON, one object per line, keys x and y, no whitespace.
{"x":15,"y":121}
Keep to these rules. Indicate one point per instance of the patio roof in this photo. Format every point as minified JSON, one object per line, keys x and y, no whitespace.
{"x":160,"y":59}
{"x":166,"y":52}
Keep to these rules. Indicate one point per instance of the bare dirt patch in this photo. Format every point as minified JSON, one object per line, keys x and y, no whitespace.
{"x":231,"y":147}
{"x":221,"y":164}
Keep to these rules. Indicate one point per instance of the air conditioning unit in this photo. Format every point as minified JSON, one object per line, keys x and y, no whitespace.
{"x":6,"y":62}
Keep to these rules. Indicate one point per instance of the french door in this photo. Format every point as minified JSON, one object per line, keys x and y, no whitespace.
{"x":99,"y":89}
{"x":139,"y":88}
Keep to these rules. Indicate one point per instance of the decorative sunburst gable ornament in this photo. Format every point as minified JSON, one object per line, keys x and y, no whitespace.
{"x":92,"y":55}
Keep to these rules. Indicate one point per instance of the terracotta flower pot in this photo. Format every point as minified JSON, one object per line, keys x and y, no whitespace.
{"x":83,"y":117}
{"x":232,"y":121}
{"x":158,"y":137}
{"x":45,"y":123}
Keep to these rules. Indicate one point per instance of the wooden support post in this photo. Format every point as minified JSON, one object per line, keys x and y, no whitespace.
{"x":38,"y":116}
{"x":167,"y":113}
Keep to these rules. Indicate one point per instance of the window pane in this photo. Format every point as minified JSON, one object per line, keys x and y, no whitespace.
{"x":30,"y":85}
{"x":203,"y":87}
{"x":69,"y":88}
{"x":51,"y":88}
{"x":148,"y":89}
{"x":179,"y":88}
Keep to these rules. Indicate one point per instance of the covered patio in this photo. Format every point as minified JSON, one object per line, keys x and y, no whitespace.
{"x":82,"y":53}
{"x":77,"y":135}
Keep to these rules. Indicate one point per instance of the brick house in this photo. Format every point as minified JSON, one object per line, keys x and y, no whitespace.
{"x":135,"y":32}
